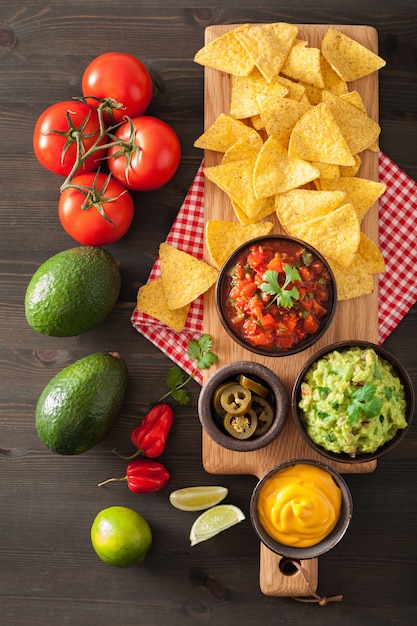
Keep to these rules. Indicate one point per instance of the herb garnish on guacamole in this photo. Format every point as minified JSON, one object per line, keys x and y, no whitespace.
{"x":352,"y":401}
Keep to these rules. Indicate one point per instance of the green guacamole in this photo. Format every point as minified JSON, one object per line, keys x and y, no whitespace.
{"x":352,"y":401}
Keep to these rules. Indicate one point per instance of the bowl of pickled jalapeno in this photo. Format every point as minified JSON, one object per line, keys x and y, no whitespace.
{"x":243,"y":406}
{"x":276,"y":295}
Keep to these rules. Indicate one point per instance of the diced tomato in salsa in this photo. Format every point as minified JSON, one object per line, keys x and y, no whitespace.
{"x":257,"y":317}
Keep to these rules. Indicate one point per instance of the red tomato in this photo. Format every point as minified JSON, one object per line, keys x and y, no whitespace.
{"x":122,"y":77}
{"x":99,"y":215}
{"x":54,"y":137}
{"x":151,"y":154}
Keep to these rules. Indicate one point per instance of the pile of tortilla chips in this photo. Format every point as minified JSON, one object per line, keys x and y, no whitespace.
{"x":183,"y":279}
{"x":291,"y":144}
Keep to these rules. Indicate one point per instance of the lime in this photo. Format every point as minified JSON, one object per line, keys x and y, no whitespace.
{"x":197,"y":498}
{"x":120,"y":536}
{"x":213,"y":521}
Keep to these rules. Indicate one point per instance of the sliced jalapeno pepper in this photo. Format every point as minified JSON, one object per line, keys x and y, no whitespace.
{"x":236,"y":399}
{"x":264,"y":413}
{"x":254,"y":386}
{"x":241,"y":426}
{"x":217,"y":395}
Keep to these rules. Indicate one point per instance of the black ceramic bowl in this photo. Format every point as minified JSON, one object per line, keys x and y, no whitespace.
{"x":396,"y":367}
{"x":223,"y":286}
{"x":213,"y":423}
{"x":326,"y":544}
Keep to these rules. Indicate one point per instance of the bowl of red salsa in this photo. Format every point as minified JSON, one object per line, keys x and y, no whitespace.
{"x":276,"y":295}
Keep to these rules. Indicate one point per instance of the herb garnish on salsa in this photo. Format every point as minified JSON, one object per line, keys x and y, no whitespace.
{"x":279,"y":292}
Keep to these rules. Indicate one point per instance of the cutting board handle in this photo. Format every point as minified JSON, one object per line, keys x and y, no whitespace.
{"x":280,"y":577}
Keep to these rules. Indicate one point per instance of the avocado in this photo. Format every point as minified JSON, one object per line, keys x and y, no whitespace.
{"x":73,"y":291}
{"x":79,"y":405}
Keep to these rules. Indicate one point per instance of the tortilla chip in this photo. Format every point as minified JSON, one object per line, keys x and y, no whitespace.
{"x":312,"y":95}
{"x":354,"y":98}
{"x":151,"y":300}
{"x":302,"y":205}
{"x":327,"y":170}
{"x":349,"y":59}
{"x":351,"y":170}
{"x":235,"y":179}
{"x":245,"y":89}
{"x":332,"y":81}
{"x":357,"y":279}
{"x":336,"y":235}
{"x":268,"y":45}
{"x":360,"y":192}
{"x":226,"y":131}
{"x":296,"y":91}
{"x":303,"y":64}
{"x":257,"y":122}
{"x":266,"y":207}
{"x":240,"y":151}
{"x":184,"y":276}
{"x":225,"y":53}
{"x":276,"y":172}
{"x":374,"y":147}
{"x":317,"y":137}
{"x":357,"y":128}
{"x":280,"y":115}
{"x":353,"y":281}
{"x":371,"y":255}
{"x":222,"y":237}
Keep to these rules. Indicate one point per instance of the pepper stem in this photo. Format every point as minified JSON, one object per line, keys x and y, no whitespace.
{"x":110,"y":480}
{"x":128,"y":458}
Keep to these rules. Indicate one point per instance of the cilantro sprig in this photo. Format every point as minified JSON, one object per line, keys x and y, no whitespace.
{"x":200,"y":351}
{"x":363,"y":400}
{"x":282,"y":296}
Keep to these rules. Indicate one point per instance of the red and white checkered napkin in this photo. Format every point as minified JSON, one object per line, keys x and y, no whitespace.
{"x":397,"y":240}
{"x":187,"y":234}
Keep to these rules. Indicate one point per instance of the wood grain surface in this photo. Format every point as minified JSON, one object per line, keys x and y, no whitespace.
{"x":49,"y":573}
{"x":354,"y":319}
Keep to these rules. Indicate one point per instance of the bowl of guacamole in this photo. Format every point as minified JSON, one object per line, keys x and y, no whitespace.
{"x":353,"y":401}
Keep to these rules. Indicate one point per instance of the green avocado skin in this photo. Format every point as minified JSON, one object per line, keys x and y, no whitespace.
{"x":72,"y":291}
{"x":79,"y":405}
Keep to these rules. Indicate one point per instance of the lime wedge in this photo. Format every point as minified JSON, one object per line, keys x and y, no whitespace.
{"x":214,"y":521}
{"x":197,"y":498}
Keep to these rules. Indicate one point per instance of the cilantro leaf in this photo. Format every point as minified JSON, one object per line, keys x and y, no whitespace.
{"x":363,"y":399}
{"x":198,"y":350}
{"x":193,"y":349}
{"x":175,"y":377}
{"x":181,"y":396}
{"x":205,"y":342}
{"x":282,"y":296}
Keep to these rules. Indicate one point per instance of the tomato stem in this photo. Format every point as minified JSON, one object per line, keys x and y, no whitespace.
{"x":77,"y":134}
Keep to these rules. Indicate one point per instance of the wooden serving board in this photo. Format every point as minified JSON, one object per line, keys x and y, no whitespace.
{"x":354,"y":319}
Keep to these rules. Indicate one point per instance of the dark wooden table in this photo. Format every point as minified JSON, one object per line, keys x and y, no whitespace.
{"x":49,"y":574}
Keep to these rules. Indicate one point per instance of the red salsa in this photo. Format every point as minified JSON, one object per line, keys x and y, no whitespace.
{"x":278,"y":295}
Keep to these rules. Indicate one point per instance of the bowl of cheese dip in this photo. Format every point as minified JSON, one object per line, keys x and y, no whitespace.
{"x":301,"y":509}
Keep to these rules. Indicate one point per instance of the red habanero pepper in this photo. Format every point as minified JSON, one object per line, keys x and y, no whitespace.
{"x":143,"y":476}
{"x":150,"y":436}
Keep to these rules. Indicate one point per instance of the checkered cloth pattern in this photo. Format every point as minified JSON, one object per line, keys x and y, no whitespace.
{"x":397,"y":240}
{"x":187,"y":234}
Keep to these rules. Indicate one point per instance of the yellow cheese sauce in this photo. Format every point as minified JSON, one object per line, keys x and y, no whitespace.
{"x":299,"y":506}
